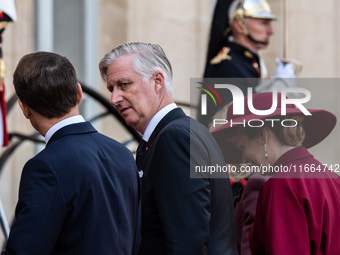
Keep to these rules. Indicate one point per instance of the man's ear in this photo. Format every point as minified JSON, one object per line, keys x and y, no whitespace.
{"x":239,"y":27}
{"x":158,"y":78}
{"x":80,"y":93}
{"x":25,"y":109}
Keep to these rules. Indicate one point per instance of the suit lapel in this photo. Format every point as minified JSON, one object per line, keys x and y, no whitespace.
{"x":174,"y":114}
{"x":77,"y":128}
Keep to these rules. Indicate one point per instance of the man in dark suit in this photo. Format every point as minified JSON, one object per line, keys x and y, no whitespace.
{"x":181,"y":214}
{"x":80,"y":195}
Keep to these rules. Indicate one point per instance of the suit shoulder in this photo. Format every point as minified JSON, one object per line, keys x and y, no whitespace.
{"x":186,"y":125}
{"x":111,"y":140}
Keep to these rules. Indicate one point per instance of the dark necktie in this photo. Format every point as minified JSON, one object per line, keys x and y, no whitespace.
{"x":140,"y":152}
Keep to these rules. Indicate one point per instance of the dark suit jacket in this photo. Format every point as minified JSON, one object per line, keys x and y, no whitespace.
{"x":80,"y":195}
{"x":245,"y":207}
{"x":183,"y":215}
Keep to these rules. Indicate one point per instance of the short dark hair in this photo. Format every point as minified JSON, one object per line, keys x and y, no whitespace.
{"x":47,"y":83}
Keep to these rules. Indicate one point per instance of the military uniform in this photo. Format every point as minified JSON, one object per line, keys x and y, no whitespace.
{"x":232,"y":61}
{"x":7,"y":14}
{"x":4,"y":19}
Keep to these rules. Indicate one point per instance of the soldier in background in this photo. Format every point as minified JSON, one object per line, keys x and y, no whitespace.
{"x":7,"y":14}
{"x":240,"y":29}
{"x":248,"y":31}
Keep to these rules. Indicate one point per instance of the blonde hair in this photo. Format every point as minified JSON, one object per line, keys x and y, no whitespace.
{"x":290,"y":134}
{"x":293,"y":136}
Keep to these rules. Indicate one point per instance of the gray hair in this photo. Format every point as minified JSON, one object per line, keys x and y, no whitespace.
{"x":146,"y":58}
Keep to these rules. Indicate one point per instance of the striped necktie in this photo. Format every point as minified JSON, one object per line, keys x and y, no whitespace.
{"x":140,"y":153}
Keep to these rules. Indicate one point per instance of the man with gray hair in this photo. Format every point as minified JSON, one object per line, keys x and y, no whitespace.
{"x":180,"y":214}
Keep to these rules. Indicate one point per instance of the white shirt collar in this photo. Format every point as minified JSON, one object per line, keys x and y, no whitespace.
{"x":156,"y":119}
{"x":61,"y":124}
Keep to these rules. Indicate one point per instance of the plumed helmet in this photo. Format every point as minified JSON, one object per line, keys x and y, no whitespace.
{"x":259,"y":9}
{"x":8,"y":7}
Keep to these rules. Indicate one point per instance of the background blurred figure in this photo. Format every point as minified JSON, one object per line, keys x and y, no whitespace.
{"x":80,"y":195}
{"x":234,"y":50}
{"x":7,"y":14}
{"x":180,"y":215}
{"x":248,"y":31}
{"x":297,"y":208}
{"x":217,"y":36}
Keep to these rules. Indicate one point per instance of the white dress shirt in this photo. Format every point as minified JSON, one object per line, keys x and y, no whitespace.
{"x":61,"y":124}
{"x":156,"y":119}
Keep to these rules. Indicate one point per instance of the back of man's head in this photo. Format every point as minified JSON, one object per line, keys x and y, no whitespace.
{"x":47,"y":83}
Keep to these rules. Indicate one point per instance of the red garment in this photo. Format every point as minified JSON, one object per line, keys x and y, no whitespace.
{"x":4,"y":115}
{"x":298,"y":215}
{"x":242,"y":182}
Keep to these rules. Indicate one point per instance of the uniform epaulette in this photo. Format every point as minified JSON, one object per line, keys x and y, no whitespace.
{"x":248,"y":54}
{"x":222,"y":55}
